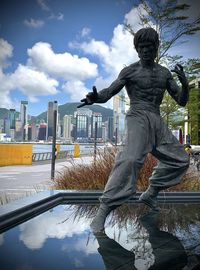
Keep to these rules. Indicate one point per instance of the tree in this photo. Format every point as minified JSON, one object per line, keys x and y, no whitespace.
{"x":172,"y":112}
{"x":192,"y":67}
{"x":194,"y":115}
{"x":171,"y":26}
{"x":165,"y":17}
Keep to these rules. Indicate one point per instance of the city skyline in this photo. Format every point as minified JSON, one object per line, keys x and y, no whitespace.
{"x":57,"y":50}
{"x":77,"y":125}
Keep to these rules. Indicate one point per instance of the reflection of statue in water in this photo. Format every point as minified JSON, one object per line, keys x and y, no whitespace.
{"x":145,"y":82}
{"x":167,"y":249}
{"x":113,"y":254}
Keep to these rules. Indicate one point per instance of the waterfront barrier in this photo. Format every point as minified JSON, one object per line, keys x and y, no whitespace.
{"x":22,"y":154}
{"x":15,"y":154}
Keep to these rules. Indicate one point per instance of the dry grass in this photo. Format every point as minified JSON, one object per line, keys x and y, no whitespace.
{"x":92,"y":176}
{"x":95,"y":175}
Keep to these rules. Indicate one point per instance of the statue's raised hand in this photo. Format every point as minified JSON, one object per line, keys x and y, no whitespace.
{"x":180,"y":73}
{"x":91,"y":98}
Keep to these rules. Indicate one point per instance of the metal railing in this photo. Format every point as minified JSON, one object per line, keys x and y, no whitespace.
{"x":66,"y":154}
{"x":48,"y":155}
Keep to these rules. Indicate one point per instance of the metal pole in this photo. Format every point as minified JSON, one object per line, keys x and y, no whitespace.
{"x":53,"y":158}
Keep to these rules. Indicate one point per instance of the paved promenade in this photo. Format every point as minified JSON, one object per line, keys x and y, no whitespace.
{"x":23,"y":180}
{"x":20,"y":181}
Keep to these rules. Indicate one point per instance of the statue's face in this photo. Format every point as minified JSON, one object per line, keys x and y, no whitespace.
{"x":146,"y":51}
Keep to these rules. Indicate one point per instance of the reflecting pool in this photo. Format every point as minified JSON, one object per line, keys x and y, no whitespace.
{"x":134,"y":238}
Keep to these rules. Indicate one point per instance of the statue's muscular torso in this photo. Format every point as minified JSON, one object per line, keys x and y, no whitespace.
{"x":145,"y":84}
{"x":145,"y":87}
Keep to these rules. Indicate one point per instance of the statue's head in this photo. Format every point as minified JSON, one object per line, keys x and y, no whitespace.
{"x":146,"y":42}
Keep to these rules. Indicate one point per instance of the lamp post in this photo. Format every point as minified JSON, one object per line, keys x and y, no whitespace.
{"x":54,"y":140}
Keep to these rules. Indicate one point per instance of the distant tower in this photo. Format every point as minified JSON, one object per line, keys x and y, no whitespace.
{"x":96,"y":117}
{"x":52,"y":105}
{"x":119,"y":102}
{"x":83,"y":117}
{"x":67,"y":127}
{"x":24,"y":119}
{"x":110,"y":128}
{"x":42,"y":132}
{"x":12,"y":117}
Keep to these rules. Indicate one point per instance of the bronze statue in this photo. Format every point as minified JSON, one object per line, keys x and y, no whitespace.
{"x":145,"y":82}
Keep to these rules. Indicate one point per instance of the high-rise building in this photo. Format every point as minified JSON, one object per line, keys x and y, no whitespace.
{"x":82,"y":126}
{"x":1,"y":125}
{"x":105,"y":131}
{"x":12,"y":117}
{"x":58,"y":129}
{"x":29,"y":132}
{"x":110,"y":128}
{"x":42,"y":132}
{"x":52,"y":106}
{"x":34,"y":132}
{"x":18,"y":130}
{"x":119,"y":102}
{"x":96,"y":117}
{"x":7,"y":126}
{"x":67,"y":127}
{"x":83,"y":123}
{"x":24,"y":119}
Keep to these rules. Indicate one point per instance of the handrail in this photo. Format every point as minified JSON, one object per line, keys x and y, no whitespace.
{"x":48,"y":155}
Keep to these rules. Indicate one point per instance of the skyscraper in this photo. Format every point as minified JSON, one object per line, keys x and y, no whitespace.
{"x":67,"y":127}
{"x":52,"y":106}
{"x":42,"y":132}
{"x":119,"y":102}
{"x":24,"y":119}
{"x":83,"y":116}
{"x":110,"y":128}
{"x":12,"y":116}
{"x":96,"y":117}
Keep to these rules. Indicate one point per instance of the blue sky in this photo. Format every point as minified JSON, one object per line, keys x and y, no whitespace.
{"x":57,"y":50}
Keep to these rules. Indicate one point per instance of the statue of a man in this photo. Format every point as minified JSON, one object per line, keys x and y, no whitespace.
{"x":145,"y":82}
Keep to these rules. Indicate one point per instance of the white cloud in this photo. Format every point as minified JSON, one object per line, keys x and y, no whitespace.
{"x":6,"y":86}
{"x":39,"y":76}
{"x":132,"y":17}
{"x":34,"y":23}
{"x":114,"y":56}
{"x":59,"y":17}
{"x":76,"y":89}
{"x":33,"y":83}
{"x":43,"y":5}
{"x":6,"y":51}
{"x":85,"y":31}
{"x":62,"y":65}
{"x":35,"y":232}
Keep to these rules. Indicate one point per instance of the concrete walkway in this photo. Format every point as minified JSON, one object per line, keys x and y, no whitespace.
{"x":23,"y":180}
{"x":20,"y":181}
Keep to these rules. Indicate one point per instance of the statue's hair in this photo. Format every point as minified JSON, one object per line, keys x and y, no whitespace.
{"x":146,"y":35}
